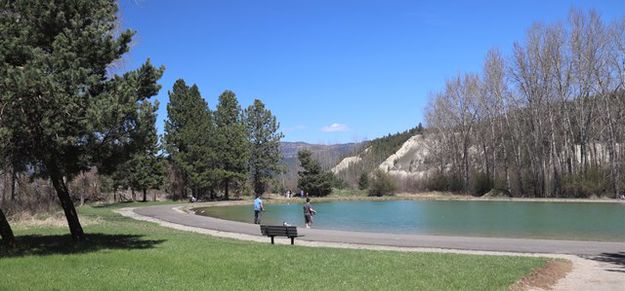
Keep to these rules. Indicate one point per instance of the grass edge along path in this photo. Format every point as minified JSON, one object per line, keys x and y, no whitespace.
{"x":122,"y":254}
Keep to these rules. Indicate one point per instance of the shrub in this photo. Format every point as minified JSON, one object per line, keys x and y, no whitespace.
{"x":337,"y":182}
{"x":454,"y":183}
{"x":480,"y":184}
{"x":381,"y":184}
{"x":595,"y":182}
{"x":436,"y":182}
{"x":443,"y":182}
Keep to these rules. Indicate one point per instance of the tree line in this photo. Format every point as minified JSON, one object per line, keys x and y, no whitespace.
{"x":221,"y":150}
{"x":65,"y":114}
{"x":546,"y":121}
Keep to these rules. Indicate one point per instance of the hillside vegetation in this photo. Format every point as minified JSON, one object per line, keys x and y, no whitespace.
{"x":327,"y":156}
{"x":373,"y":153}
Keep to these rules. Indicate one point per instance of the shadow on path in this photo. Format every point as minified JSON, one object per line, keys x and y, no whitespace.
{"x":43,"y":245}
{"x":616,"y":259}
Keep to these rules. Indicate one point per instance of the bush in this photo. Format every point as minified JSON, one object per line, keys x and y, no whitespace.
{"x":454,"y":183}
{"x":595,"y":182}
{"x":436,"y":182}
{"x":443,"y":182}
{"x":337,"y":182}
{"x":381,"y":184}
{"x":480,"y":184}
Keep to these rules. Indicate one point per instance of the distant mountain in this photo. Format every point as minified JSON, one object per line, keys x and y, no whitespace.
{"x":327,"y":155}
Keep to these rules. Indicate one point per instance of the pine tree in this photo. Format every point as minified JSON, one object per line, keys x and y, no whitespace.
{"x":312,"y":179}
{"x":189,"y":137}
{"x":231,"y":142}
{"x":63,"y":112}
{"x":264,"y":141}
{"x":363,"y":181}
{"x":145,"y":168}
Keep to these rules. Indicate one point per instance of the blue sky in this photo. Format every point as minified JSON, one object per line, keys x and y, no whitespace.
{"x":331,"y":71}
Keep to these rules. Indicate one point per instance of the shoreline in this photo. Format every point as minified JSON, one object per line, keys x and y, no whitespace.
{"x":425,"y":196}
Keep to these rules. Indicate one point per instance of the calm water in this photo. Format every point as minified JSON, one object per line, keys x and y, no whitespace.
{"x":577,"y":221}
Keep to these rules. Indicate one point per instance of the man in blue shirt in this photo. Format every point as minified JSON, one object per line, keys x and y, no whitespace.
{"x":258,"y":207}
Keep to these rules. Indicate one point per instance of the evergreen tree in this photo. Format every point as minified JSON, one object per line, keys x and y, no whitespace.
{"x":264,"y":141}
{"x":189,"y":137}
{"x":145,"y":169}
{"x":231,"y":142}
{"x":363,"y":181}
{"x":63,"y":112}
{"x":312,"y":179}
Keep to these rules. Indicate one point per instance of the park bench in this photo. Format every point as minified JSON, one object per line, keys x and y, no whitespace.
{"x":279,"y":230}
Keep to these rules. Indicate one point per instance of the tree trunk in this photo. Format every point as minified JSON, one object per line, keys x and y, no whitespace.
{"x":465,"y":166}
{"x":132,"y":190}
{"x":145,"y":195}
{"x":154,"y":196}
{"x":8,"y":239}
{"x":226,"y":189}
{"x":13,"y":181}
{"x":66,"y":202}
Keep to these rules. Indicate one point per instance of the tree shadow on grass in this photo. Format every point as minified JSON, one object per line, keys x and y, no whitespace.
{"x":616,"y":259}
{"x":44,"y":245}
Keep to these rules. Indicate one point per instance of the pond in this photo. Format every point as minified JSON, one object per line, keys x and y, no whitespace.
{"x":549,"y":220}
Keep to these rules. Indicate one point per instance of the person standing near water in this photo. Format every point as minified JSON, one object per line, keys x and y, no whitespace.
{"x":308,"y":213}
{"x":258,"y":208}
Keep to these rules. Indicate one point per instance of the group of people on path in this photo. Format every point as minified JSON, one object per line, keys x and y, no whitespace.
{"x":259,"y":208}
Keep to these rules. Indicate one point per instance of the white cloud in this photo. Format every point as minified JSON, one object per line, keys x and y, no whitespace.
{"x":335,"y":127}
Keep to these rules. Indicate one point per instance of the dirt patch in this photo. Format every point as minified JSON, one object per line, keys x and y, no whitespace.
{"x":546,"y":277}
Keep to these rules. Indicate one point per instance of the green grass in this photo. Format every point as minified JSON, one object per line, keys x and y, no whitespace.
{"x":336,"y":192}
{"x":123,"y":254}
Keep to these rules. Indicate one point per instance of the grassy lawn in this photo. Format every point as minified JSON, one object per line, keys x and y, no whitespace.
{"x":123,"y":254}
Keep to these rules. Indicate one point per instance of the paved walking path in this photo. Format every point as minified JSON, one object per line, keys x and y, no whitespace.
{"x":596,"y":265}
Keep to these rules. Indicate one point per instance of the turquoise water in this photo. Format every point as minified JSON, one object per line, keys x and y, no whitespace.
{"x":551,"y":220}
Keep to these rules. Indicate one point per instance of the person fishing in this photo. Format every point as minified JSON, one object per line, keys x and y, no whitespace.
{"x":258,"y":208}
{"x":308,"y":213}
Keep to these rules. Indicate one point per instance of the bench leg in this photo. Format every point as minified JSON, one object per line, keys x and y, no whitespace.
{"x":292,"y":238}
{"x":272,"y":239}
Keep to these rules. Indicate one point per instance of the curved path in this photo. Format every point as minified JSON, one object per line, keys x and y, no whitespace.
{"x":172,"y":214}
